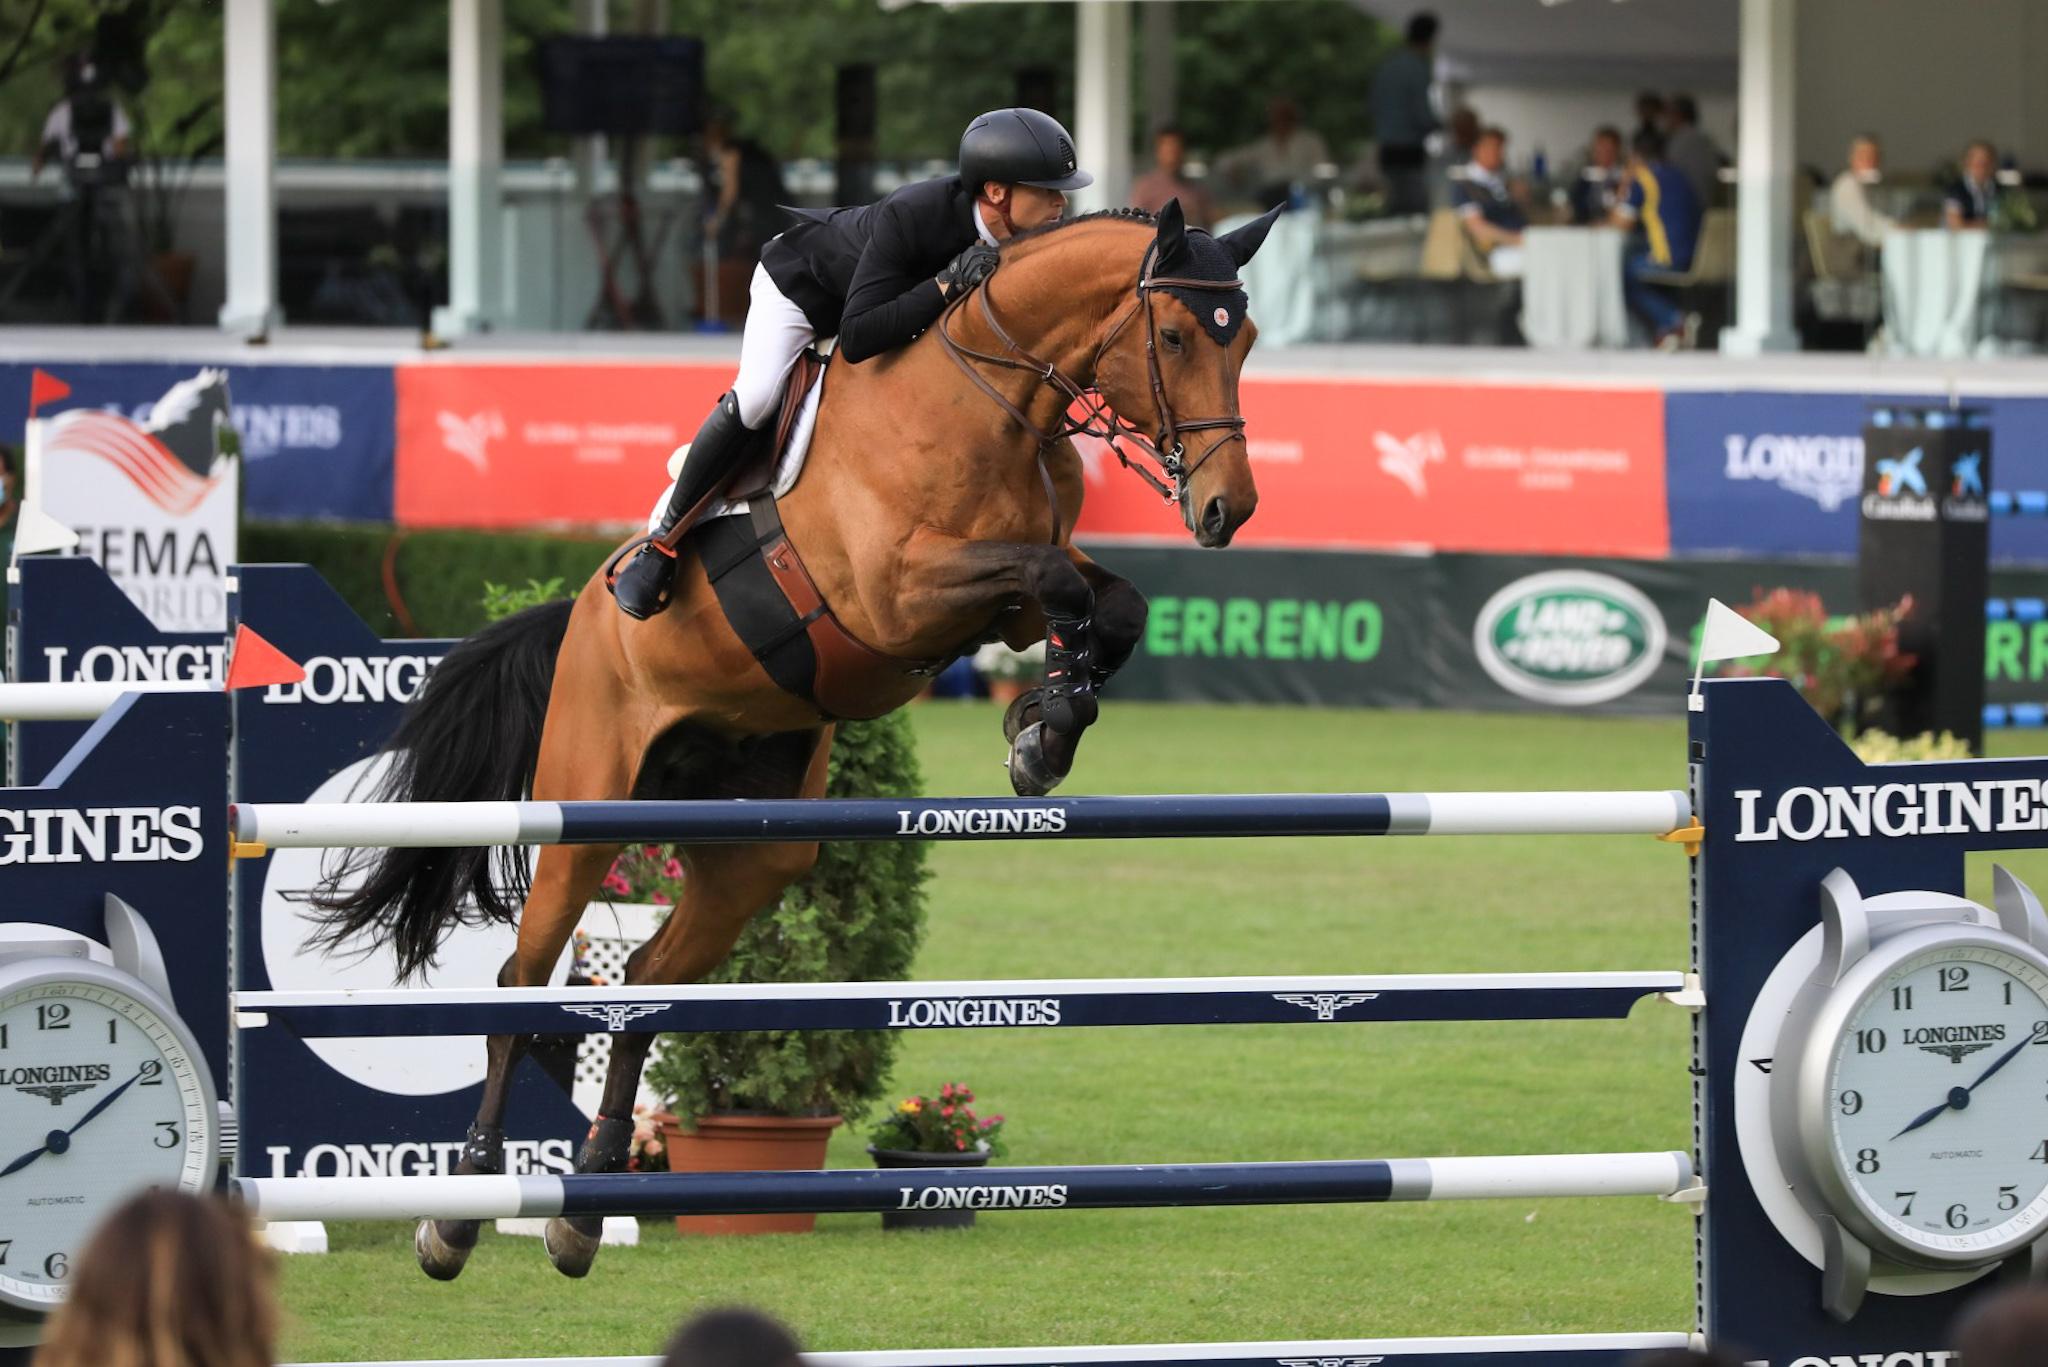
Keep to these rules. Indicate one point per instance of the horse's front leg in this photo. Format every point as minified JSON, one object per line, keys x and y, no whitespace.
{"x":1116,"y":624}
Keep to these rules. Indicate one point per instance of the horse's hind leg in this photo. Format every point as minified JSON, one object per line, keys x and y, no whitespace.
{"x":723,"y":887}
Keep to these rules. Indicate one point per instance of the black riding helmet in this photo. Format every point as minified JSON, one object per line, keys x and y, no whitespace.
{"x":1020,"y":147}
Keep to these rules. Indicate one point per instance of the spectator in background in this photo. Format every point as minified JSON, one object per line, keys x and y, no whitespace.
{"x":732,"y":1338}
{"x":169,"y":1280}
{"x":1168,"y":180}
{"x":1849,"y":203}
{"x":1661,"y":213}
{"x":1487,"y":206}
{"x":1602,"y":181}
{"x":1971,"y":196}
{"x":87,"y":120}
{"x":750,"y":191}
{"x":1649,"y":115}
{"x":1688,"y":148}
{"x":2005,"y":1329}
{"x":1286,"y":156}
{"x":1403,"y":118}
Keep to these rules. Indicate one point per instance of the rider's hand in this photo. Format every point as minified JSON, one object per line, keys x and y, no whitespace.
{"x":974,"y":265}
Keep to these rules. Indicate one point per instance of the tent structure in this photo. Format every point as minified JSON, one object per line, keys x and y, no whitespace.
{"x":1556,"y":40}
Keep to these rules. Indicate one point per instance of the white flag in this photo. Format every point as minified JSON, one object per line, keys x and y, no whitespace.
{"x":1731,"y":636}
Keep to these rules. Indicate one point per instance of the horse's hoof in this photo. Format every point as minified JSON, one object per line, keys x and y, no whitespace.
{"x":1032,"y":774}
{"x":442,"y":1257}
{"x":1024,"y":710}
{"x":570,"y":1249}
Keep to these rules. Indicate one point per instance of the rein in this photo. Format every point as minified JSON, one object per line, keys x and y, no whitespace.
{"x":1098,"y":419}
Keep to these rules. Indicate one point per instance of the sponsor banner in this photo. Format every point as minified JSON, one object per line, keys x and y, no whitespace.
{"x":518,"y":445}
{"x":316,"y":440}
{"x":1451,"y":467}
{"x":1270,"y":626}
{"x":1782,"y":474}
{"x":155,"y":502}
{"x":1474,"y":632}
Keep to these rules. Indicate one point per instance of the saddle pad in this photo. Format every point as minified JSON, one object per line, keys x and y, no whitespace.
{"x":788,"y":465}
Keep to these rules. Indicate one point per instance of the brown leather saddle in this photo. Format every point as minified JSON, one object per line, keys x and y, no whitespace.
{"x":769,"y":597}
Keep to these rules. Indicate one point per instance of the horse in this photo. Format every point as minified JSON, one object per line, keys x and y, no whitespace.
{"x":934,"y":512}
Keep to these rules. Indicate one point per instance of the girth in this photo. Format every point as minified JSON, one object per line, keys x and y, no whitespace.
{"x":774,"y":607}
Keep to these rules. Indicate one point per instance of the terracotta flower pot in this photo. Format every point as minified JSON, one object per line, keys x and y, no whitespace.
{"x":747,"y":1143}
{"x":912,"y":1158}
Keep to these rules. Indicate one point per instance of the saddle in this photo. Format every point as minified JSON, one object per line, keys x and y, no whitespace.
{"x":768,"y":596}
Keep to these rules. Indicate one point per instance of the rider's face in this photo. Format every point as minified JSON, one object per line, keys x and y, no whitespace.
{"x":1031,"y":207}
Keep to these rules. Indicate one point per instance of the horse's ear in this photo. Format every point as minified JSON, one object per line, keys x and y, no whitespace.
{"x":1172,"y":238}
{"x":1243,"y":243}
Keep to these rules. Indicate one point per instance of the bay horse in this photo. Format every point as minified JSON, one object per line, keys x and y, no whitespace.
{"x":934,"y":512}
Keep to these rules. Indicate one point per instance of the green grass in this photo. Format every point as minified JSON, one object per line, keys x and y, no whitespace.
{"x":1229,"y":1093}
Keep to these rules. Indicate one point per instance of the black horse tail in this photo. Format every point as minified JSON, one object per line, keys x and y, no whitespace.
{"x":471,"y":735}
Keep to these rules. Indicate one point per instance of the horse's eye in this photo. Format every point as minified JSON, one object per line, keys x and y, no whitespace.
{"x":1171,"y":336}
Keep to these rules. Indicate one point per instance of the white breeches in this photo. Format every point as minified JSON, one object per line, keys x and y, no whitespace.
{"x":776,"y":334}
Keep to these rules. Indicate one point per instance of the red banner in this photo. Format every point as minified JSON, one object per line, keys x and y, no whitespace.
{"x":522,"y":444}
{"x":1378,"y":465}
{"x":1340,"y":463}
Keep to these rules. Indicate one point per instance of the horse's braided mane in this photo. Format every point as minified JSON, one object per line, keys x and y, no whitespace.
{"x":1033,"y":234}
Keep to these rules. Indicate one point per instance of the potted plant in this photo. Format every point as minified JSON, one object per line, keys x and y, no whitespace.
{"x":750,"y":1100}
{"x":940,"y":1131}
{"x":1842,"y":665}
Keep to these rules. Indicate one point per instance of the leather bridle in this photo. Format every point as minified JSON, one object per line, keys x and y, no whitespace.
{"x":1097,"y":418}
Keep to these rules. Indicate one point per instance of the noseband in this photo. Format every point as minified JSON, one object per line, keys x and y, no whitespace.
{"x":1097,"y":419}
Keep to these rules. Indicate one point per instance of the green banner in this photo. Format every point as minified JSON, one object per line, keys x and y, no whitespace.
{"x":1474,"y":632}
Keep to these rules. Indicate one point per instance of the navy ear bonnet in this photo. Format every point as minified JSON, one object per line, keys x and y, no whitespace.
{"x":1221,"y":309}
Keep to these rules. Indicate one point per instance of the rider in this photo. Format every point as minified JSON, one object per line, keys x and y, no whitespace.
{"x":876,"y":276}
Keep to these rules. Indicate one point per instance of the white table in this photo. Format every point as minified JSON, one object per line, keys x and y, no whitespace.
{"x":1571,"y":288}
{"x":1937,"y":283}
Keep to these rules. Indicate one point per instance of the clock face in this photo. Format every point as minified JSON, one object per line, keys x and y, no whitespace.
{"x":99,"y":1099}
{"x":1938,"y":1101}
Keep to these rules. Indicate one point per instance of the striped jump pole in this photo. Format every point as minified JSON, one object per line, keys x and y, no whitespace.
{"x":856,"y":1190}
{"x":1494,"y":1350}
{"x":83,"y":701}
{"x":1207,"y":816}
{"x":1036,"y":1002}
{"x":2015,"y":716}
{"x":2015,"y":609}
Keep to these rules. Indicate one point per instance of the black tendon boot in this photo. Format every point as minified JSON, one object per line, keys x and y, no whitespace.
{"x":643,"y":584}
{"x":1069,"y":703}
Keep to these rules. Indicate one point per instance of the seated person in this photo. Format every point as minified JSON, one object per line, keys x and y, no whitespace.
{"x":1849,"y":206}
{"x":1488,"y":209}
{"x":1602,"y":181}
{"x":1661,"y":213}
{"x":1971,"y":196}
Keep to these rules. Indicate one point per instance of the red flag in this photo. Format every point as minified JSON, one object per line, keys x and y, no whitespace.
{"x":256,"y":663}
{"x":43,"y":387}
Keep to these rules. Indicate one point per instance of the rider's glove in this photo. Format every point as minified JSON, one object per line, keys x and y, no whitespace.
{"x":974,"y":265}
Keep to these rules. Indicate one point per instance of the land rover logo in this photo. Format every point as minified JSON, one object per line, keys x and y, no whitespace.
{"x":1569,"y":637}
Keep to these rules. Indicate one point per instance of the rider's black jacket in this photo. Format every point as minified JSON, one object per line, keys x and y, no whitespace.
{"x":867,"y":273}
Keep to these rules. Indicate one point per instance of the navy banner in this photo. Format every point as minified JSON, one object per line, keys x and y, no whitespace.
{"x":1779,"y":474}
{"x":317,"y":441}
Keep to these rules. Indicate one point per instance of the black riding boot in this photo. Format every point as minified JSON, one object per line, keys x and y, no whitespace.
{"x":643,"y":584}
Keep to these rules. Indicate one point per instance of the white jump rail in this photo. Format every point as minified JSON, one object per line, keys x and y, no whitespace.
{"x":391,"y":825}
{"x":83,"y":701}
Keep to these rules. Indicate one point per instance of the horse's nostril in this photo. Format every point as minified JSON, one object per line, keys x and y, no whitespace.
{"x":1216,"y":516}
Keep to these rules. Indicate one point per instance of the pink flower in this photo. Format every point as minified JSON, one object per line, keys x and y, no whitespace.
{"x":650,"y":851}
{"x":946,"y":1089}
{"x":959,"y":1141}
{"x":672,"y":869}
{"x":946,"y":1110}
{"x":613,"y":882}
{"x":660,"y":897}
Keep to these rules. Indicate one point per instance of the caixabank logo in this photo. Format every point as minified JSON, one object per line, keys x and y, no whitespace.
{"x":1572,"y":638}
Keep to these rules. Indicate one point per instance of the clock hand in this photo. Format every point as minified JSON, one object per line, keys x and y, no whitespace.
{"x":61,"y":1135}
{"x":109,"y":1099}
{"x":2007,"y":1057}
{"x":1929,"y":1114}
